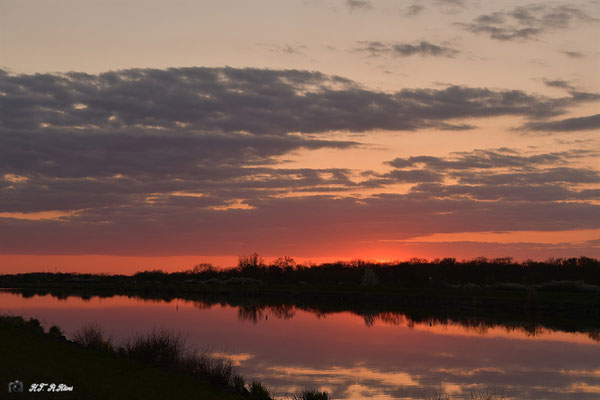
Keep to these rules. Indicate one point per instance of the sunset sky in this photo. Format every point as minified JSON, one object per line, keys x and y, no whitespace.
{"x":160,"y":134}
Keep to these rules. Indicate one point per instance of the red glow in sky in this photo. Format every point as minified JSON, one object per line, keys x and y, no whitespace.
{"x":454,"y":130}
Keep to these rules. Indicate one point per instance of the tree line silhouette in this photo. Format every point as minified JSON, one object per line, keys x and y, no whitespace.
{"x":581,"y":274}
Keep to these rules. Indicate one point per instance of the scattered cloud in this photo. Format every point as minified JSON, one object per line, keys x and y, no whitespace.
{"x":498,"y":175}
{"x":358,"y":4}
{"x":288,"y":49}
{"x":487,"y":159}
{"x":422,"y":48}
{"x":573,"y":54}
{"x":558,"y":83}
{"x":528,"y":22}
{"x":590,"y":122}
{"x":414,"y":9}
{"x":457,"y":3}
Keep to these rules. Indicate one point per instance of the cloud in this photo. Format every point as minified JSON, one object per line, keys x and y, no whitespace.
{"x":590,"y":122}
{"x":249,"y":101}
{"x":311,"y":224}
{"x":288,"y":49}
{"x":210,"y":137}
{"x":499,"y":174}
{"x":358,"y":4}
{"x":507,"y":192}
{"x":72,"y":154}
{"x":196,"y":152}
{"x":456,"y":3}
{"x":489,"y":159}
{"x":527,"y":22}
{"x":413,"y":176}
{"x":422,"y":48}
{"x":530,"y":176}
{"x":573,"y":54}
{"x":558,"y":83}
{"x":414,"y":9}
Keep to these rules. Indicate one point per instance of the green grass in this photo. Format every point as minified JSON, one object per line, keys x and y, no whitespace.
{"x":31,"y":356}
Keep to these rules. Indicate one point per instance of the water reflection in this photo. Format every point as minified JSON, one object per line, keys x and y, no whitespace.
{"x":256,"y":314}
{"x":353,"y":354}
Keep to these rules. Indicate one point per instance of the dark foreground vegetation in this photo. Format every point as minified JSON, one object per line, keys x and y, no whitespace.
{"x":157,"y":365}
{"x":93,"y":368}
{"x":484,"y":394}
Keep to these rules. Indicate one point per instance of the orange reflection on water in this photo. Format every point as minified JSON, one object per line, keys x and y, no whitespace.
{"x":384,"y":355}
{"x":9,"y":300}
{"x":376,"y":322}
{"x":499,"y":331}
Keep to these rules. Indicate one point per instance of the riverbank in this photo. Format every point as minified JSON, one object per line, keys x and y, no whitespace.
{"x":34,"y":356}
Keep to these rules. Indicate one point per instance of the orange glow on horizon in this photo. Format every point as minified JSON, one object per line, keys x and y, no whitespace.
{"x":460,"y":245}
{"x":15,"y":263}
{"x":94,"y":263}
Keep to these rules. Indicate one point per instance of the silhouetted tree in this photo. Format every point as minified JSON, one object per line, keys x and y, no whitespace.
{"x":250,"y":263}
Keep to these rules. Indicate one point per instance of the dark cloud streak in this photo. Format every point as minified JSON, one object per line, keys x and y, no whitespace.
{"x":422,"y":48}
{"x":527,"y":22}
{"x":591,"y":122}
{"x":358,"y":4}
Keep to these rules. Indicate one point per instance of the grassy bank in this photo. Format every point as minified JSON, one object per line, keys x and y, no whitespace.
{"x":152,"y":366}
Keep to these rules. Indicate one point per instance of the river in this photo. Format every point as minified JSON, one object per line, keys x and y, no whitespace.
{"x":384,"y":356}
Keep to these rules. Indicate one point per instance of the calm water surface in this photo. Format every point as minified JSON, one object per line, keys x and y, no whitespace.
{"x":351,"y":357}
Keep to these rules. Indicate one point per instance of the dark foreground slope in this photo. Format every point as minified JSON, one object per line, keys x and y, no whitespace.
{"x":31,"y":356}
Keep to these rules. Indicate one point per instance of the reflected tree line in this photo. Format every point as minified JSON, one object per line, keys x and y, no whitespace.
{"x":258,"y":313}
{"x":259,"y":309}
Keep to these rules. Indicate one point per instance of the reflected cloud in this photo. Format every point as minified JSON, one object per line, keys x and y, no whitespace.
{"x":387,"y":378}
{"x":236,"y":358}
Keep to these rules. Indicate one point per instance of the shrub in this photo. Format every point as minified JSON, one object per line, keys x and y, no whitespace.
{"x":92,"y":336}
{"x":250,"y":263}
{"x":311,"y":395}
{"x":167,"y":349}
{"x":284,"y":263}
{"x":259,"y":392}
{"x":568,"y":286}
{"x":35,"y":326}
{"x":163,"y":348}
{"x":485,"y":394}
{"x":219,"y":371}
{"x":369,"y":278}
{"x":238,"y":383}
{"x":56,"y":333}
{"x":32,"y":325}
{"x":202,"y":268}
